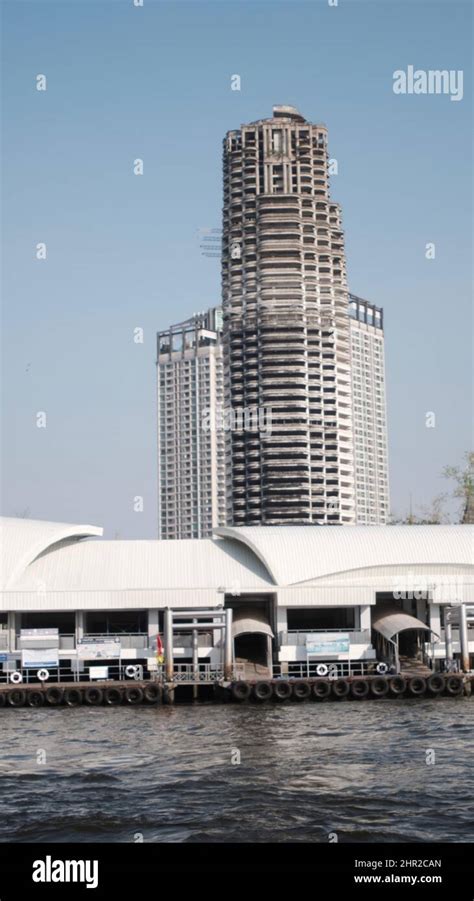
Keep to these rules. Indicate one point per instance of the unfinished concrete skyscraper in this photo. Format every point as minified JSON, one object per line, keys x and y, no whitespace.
{"x":286,"y":326}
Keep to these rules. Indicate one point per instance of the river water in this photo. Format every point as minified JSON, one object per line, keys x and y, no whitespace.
{"x":357,"y":769}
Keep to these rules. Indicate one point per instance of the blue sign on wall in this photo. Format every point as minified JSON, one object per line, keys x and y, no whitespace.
{"x":322,"y":644}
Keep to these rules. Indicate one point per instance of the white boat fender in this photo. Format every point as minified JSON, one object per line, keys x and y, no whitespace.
{"x":382,"y":668}
{"x":322,"y":669}
{"x":16,"y":678}
{"x":132,"y":671}
{"x":43,"y":675}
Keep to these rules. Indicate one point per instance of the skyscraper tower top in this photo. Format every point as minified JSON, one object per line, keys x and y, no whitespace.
{"x":288,"y":112}
{"x":286,"y":325}
{"x":287,"y":115}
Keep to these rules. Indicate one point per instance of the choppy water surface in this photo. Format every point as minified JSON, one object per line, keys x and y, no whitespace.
{"x":357,"y":769}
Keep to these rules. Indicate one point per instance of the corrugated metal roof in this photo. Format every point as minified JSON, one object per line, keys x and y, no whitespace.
{"x":122,"y":599}
{"x":295,"y":554}
{"x":135,"y":565}
{"x":242,"y":559}
{"x":22,"y":540}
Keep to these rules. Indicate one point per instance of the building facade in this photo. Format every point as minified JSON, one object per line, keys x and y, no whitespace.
{"x":369,"y":412}
{"x":298,"y":594}
{"x":179,"y":422}
{"x":286,"y":326}
{"x":191,"y":449}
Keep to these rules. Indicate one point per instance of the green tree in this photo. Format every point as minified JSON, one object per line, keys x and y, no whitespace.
{"x":463,"y":478}
{"x":432,"y":515}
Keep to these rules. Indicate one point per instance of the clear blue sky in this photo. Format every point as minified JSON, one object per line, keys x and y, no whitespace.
{"x":123,"y":251}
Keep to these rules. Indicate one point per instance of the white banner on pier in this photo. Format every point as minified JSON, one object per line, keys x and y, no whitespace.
{"x":98,"y":649}
{"x":39,"y":658}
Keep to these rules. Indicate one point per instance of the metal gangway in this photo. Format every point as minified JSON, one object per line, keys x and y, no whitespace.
{"x":196,"y":621}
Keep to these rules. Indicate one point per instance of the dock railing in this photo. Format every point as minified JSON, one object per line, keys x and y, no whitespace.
{"x":332,"y":669}
{"x":91,"y":672}
{"x":186,"y":672}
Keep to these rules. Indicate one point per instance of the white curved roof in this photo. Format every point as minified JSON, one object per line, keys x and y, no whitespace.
{"x":296,"y":554}
{"x":146,"y":565}
{"x":391,"y":622}
{"x":22,"y":540}
{"x":245,"y":558}
{"x":248,"y":620}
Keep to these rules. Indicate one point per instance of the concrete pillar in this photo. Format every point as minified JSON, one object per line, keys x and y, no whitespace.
{"x":435,"y":618}
{"x":269,"y":654}
{"x":464,"y":638}
{"x":11,"y":629}
{"x":80,"y":625}
{"x":228,"y":645}
{"x":153,"y":628}
{"x":80,"y":628}
{"x":195,"y":637}
{"x":434,"y":623}
{"x":168,"y":694}
{"x":218,"y":635}
{"x":448,"y":637}
{"x":281,"y":621}
{"x":365,"y":618}
{"x":168,"y":643}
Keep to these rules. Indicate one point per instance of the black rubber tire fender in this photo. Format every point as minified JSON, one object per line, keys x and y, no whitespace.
{"x":436,"y":683}
{"x":17,"y":697}
{"x":454,"y":686}
{"x":379,"y":686}
{"x":359,"y":688}
{"x":152,"y":693}
{"x":94,"y":696}
{"x":397,"y":685}
{"x":263,"y":691}
{"x":241,"y":691}
{"x":73,"y":697}
{"x":54,"y":695}
{"x":35,"y":698}
{"x":417,"y":686}
{"x":340,"y":688}
{"x":283,"y":690}
{"x":134,"y":695}
{"x":301,"y":691}
{"x":321,"y":689}
{"x":113,"y":696}
{"x":3,"y":699}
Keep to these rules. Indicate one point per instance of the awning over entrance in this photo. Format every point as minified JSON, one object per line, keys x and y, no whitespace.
{"x":391,"y":622}
{"x":248,"y":620}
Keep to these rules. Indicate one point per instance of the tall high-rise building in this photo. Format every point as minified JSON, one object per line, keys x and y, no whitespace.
{"x":191,"y":462}
{"x":286,"y":326}
{"x":369,"y":412}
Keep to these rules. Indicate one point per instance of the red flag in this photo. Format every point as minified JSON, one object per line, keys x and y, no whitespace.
{"x":159,"y":646}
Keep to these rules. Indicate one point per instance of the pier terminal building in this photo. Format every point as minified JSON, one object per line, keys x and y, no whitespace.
{"x":350,"y":597}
